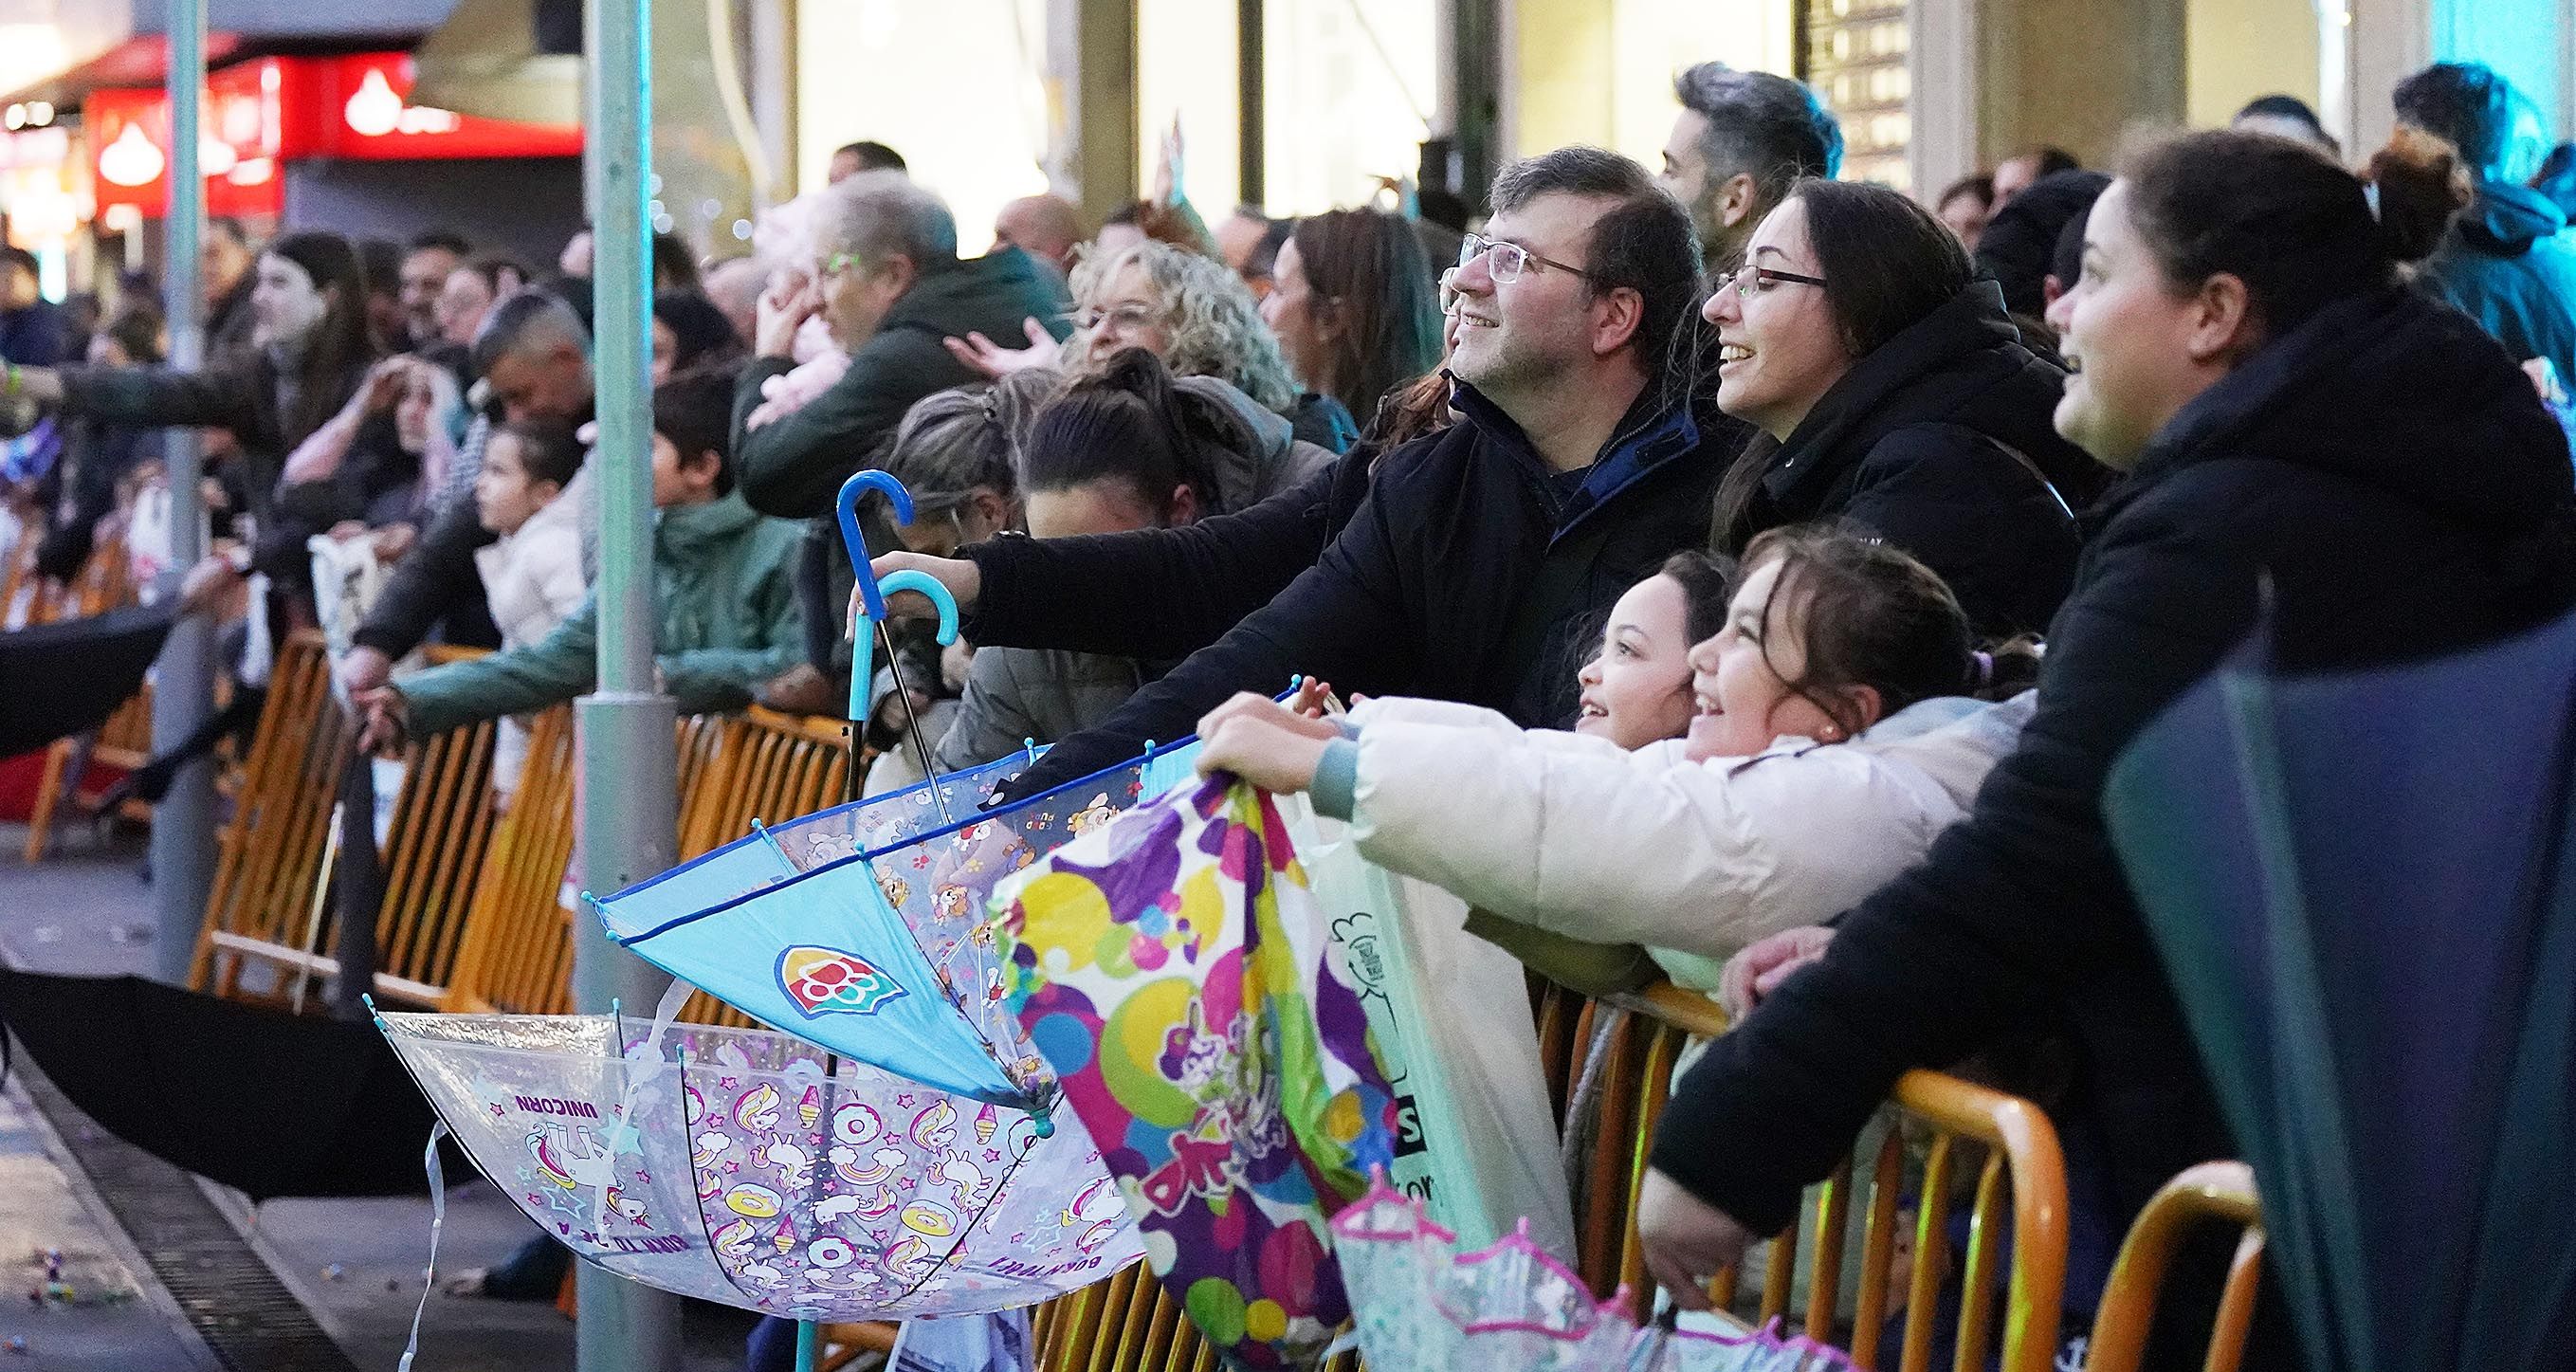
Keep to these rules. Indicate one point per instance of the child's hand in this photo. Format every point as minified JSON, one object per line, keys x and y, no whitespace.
{"x":1253,"y":705}
{"x":1311,"y":697}
{"x":385,"y":718}
{"x":1263,"y":751}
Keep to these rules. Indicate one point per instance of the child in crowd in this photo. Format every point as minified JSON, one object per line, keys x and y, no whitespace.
{"x":725,"y":583}
{"x":532,"y":572}
{"x":1796,"y":759}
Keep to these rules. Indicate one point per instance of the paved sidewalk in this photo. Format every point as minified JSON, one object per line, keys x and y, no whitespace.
{"x":354,"y":1264}
{"x":107,"y":1314}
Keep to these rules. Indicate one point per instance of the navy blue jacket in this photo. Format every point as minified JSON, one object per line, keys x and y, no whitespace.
{"x":37,"y":336}
{"x":2510,"y":264}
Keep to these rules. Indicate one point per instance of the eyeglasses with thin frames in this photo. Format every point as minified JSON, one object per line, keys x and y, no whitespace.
{"x":1506,"y":260}
{"x":1129,"y":316}
{"x":1748,"y":278}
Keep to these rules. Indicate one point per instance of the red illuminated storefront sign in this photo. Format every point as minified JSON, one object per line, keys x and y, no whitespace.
{"x":263,"y":113}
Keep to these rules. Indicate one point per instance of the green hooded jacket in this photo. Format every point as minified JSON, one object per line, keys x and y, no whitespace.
{"x":724,"y":583}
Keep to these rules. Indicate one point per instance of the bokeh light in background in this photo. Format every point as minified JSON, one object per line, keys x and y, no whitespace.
{"x":1349,"y":88}
{"x":954,"y":85}
{"x":1185,"y":62}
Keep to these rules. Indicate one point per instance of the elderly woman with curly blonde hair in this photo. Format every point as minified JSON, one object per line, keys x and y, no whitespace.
{"x":1189,"y":310}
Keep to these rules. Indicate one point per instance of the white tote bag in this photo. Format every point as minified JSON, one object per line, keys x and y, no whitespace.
{"x":1476,"y":1138}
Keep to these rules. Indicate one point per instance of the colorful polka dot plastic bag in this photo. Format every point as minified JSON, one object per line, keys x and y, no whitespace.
{"x":1175,"y":972}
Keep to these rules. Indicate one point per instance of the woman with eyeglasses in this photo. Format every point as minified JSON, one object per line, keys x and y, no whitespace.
{"x":2311,"y":454}
{"x":1188,"y":310}
{"x":1892,"y":391}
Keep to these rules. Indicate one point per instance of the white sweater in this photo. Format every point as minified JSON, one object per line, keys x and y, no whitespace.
{"x":1694,"y":861}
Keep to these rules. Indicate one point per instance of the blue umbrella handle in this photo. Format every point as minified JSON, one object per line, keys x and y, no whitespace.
{"x":859,"y":485}
{"x":863,"y":649}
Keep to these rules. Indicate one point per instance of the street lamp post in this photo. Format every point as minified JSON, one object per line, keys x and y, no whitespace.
{"x":183,"y":825}
{"x":629,"y":772}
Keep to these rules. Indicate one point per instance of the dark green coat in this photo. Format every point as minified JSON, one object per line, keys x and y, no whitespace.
{"x":794,"y":467}
{"x":726,"y":621}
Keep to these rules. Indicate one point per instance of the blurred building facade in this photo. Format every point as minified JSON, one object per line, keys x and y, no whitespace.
{"x":1291,"y":105}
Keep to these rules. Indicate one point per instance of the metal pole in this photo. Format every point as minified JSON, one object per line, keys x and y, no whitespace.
{"x":629,"y":769}
{"x":183,"y":691}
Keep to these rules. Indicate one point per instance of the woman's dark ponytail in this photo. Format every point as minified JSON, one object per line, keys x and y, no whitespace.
{"x":2421,"y":186}
{"x":1123,"y":421}
{"x":2277,"y":214}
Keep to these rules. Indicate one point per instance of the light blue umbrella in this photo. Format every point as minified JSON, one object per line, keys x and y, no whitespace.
{"x":864,"y":928}
{"x":872,"y":594}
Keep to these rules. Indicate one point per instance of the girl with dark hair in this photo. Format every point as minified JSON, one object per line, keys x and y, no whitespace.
{"x":1355,"y":306}
{"x":1132,"y":413}
{"x":2305,"y":444}
{"x":1705,"y":809}
{"x":1892,"y":391}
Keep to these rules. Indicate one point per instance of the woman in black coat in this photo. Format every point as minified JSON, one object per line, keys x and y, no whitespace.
{"x":1896,"y":394}
{"x":2304,"y":440}
{"x":311,"y":351}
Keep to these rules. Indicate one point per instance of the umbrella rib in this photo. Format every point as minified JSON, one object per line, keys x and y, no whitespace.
{"x":2311,"y":1089}
{"x":968,"y":1227}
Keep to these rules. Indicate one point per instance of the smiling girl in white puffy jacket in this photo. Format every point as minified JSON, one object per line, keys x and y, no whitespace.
{"x":1826,"y":733}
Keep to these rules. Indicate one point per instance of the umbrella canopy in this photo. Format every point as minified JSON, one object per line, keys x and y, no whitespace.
{"x":863,"y":928}
{"x":2361,"y":888}
{"x":267,"y":1102}
{"x":68,"y":677}
{"x":749,"y":1168}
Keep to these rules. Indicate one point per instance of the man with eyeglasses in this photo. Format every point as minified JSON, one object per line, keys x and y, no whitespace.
{"x":1465,"y":565}
{"x":888,"y":284}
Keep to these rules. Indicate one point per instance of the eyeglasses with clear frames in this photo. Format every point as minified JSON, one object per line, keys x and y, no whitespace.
{"x":1122,"y":316}
{"x":1748,"y":278}
{"x":1507,"y":259}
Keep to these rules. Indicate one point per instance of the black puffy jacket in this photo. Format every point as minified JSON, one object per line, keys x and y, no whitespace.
{"x":1939,"y":441}
{"x":2391,"y":476}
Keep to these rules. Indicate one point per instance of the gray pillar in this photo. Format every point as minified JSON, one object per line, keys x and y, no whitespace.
{"x":183,"y":693}
{"x":629,"y":776}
